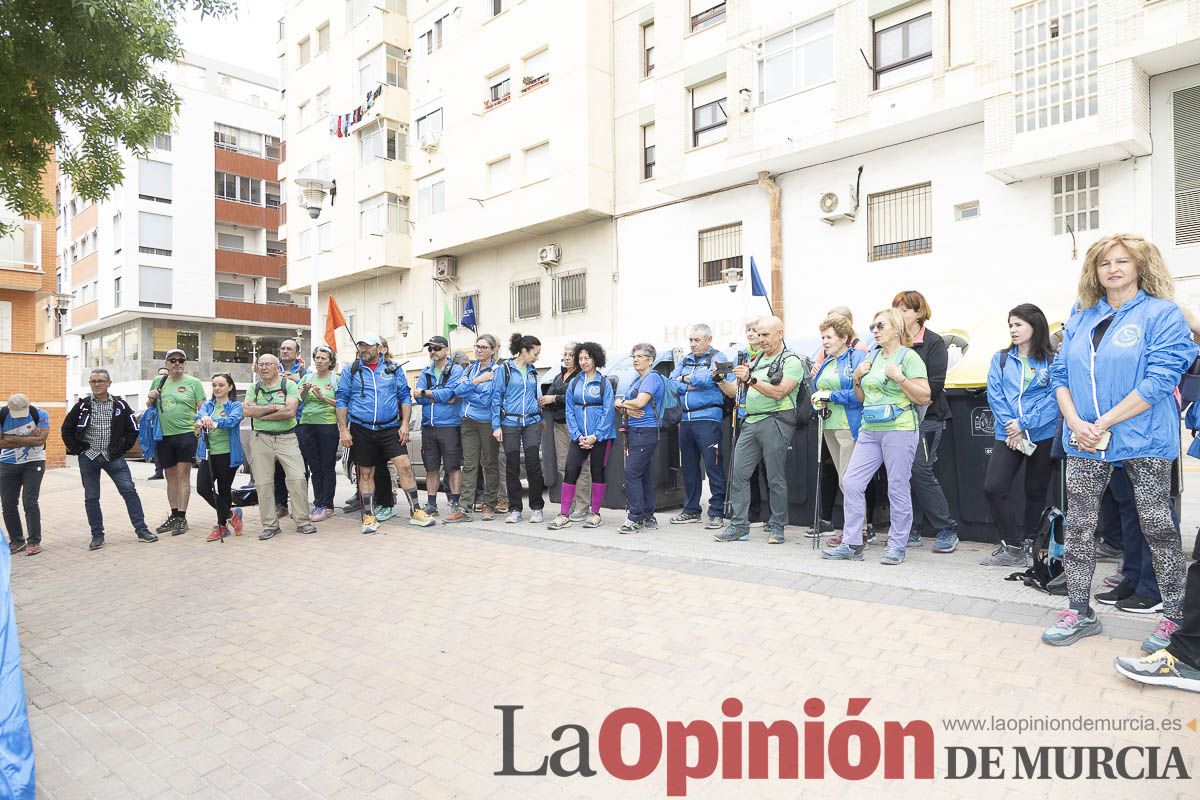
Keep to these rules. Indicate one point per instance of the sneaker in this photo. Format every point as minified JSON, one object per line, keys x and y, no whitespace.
{"x":457,"y":514}
{"x":502,"y":506}
{"x":33,"y":549}
{"x":430,"y":509}
{"x":560,"y":522}
{"x":732,"y":534}
{"x":892,"y":556}
{"x":167,"y":525}
{"x":320,"y":515}
{"x":1120,"y":592}
{"x":1004,"y":556}
{"x":714,"y":523}
{"x":370,"y":524}
{"x":836,"y":539}
{"x":629,"y":526}
{"x":97,"y":542}
{"x":844,"y":552}
{"x":649,"y":524}
{"x":420,"y":519}
{"x":1160,"y":668}
{"x":281,"y":512}
{"x":869,"y":533}
{"x":268,"y":533}
{"x":1160,"y":638}
{"x":1113,"y":581}
{"x":218,"y":533}
{"x":513,"y":517}
{"x":685,"y":518}
{"x":1140,"y":604}
{"x":384,"y":513}
{"x":1070,"y":628}
{"x":306,"y":527}
{"x":536,"y":516}
{"x":477,"y":507}
{"x":487,"y":514}
{"x":578,"y":516}
{"x":144,"y":535}
{"x":1106,"y":553}
{"x":775,"y":535}
{"x":158,"y":476}
{"x":180,"y":526}
{"x":592,"y":521}
{"x":914,"y":539}
{"x":946,"y":541}
{"x":236,"y":522}
{"x":16,"y":547}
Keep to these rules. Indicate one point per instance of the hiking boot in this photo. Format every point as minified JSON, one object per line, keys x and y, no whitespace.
{"x":1106,"y":553}
{"x":1140,"y":604}
{"x":684,"y":518}
{"x":370,"y":524}
{"x":578,"y":516}
{"x":1004,"y":556}
{"x":774,"y":535}
{"x":180,"y":526}
{"x":592,"y":521}
{"x":306,"y":528}
{"x":167,"y":524}
{"x":97,"y":542}
{"x":144,"y":535}
{"x":16,"y":547}
{"x":560,"y":522}
{"x":1120,"y":592}
{"x":420,"y":519}
{"x":502,"y":506}
{"x":487,"y":514}
{"x":513,"y":517}
{"x":1160,"y":638}
{"x":384,"y":513}
{"x":1070,"y":628}
{"x":219,"y":532}
{"x":946,"y":541}
{"x":892,"y":556}
{"x":1160,"y":668}
{"x":1113,"y":581}
{"x":650,"y":524}
{"x":457,"y":514}
{"x":914,"y":539}
{"x":714,"y":523}
{"x":268,"y":533}
{"x":844,"y":552}
{"x":732,"y":534}
{"x":629,"y":526}
{"x":536,"y":516}
{"x":236,"y":522}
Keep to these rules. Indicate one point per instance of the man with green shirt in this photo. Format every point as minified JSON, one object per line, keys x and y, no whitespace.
{"x":772,"y":379}
{"x":178,"y":397}
{"x":271,"y":406}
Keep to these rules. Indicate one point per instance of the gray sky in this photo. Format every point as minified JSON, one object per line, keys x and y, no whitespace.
{"x":246,"y":39}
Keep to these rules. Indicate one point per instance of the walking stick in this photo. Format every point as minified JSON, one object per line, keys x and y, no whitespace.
{"x":815,"y":534}
{"x":739,"y":401}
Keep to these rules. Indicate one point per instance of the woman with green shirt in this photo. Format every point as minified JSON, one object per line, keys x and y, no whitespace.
{"x":318,"y":431}
{"x":219,"y":450}
{"x":891,"y":383}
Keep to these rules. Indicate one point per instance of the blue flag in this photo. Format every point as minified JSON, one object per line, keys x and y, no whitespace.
{"x":756,"y":285}
{"x":468,"y":317}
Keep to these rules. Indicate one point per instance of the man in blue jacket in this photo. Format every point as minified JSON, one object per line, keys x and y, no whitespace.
{"x":441,"y":427}
{"x":703,"y":403}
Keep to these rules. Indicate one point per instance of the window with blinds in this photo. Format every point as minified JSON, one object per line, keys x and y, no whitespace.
{"x":900,"y":222}
{"x":168,"y":339}
{"x":1185,"y":105}
{"x":570,"y":292}
{"x":154,"y":287}
{"x":526,"y":300}
{"x":231,"y":348}
{"x":154,"y":234}
{"x":708,"y":113}
{"x":154,"y":181}
{"x":720,"y":250}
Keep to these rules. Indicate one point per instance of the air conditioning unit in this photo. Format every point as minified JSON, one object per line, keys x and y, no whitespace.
{"x":550,"y":255}
{"x":445,"y":268}
{"x":405,"y":55}
{"x":836,"y":206}
{"x":430,"y":142}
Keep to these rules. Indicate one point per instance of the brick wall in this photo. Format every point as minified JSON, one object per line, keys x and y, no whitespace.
{"x":43,"y":378}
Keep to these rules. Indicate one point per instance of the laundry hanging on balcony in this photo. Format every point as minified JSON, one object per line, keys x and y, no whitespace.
{"x":341,"y":124}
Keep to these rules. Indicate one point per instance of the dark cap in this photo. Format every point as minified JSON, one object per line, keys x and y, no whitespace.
{"x":438,"y":340}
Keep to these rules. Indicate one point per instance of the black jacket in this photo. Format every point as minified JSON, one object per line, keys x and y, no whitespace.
{"x":124,"y":428}
{"x":558,"y":388}
{"x":933,"y":352}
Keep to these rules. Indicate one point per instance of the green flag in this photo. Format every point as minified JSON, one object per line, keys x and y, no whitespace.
{"x":448,"y":323}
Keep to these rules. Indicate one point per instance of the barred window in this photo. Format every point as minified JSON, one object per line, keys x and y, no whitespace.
{"x":526,"y":300}
{"x":1076,"y":197}
{"x":1054,"y":62}
{"x":900,"y":222}
{"x":570,"y":292}
{"x":460,"y":305}
{"x":720,"y":250}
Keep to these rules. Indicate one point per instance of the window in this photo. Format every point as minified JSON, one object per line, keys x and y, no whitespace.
{"x":324,"y":237}
{"x":240,"y":189}
{"x":272,"y":192}
{"x":537,"y":162}
{"x":110,"y":348}
{"x":903,"y":51}
{"x":154,"y":290}
{"x":648,"y":151}
{"x":271,"y":147}
{"x":117,"y":233}
{"x":323,"y":38}
{"x":154,"y":234}
{"x":431,"y":195}
{"x":91,"y":353}
{"x":383,"y":213}
{"x":498,"y":90}
{"x":535,"y":70}
{"x":22,"y":247}
{"x":230,"y":241}
{"x":227,"y":290}
{"x":499,"y":175}
{"x":570,"y":292}
{"x":306,"y":243}
{"x":232,"y":348}
{"x":6,"y":325}
{"x":526,"y":300}
{"x":965,"y":211}
{"x":900,"y":222}
{"x":1054,"y":63}
{"x":708,"y":113}
{"x":227,"y":137}
{"x":706,"y":13}
{"x":274,"y":246}
{"x":495,"y":7}
{"x":167,"y":339}
{"x":305,"y":51}
{"x":720,"y":250}
{"x":1185,"y":111}
{"x":797,"y":60}
{"x":132,"y":344}
{"x":460,"y":305}
{"x":382,"y":139}
{"x":154,"y":181}
{"x":323,"y":103}
{"x":162,"y":141}
{"x":1076,"y":198}
{"x":302,"y":115}
{"x":433,"y":39}
{"x":429,"y":125}
{"x":383,"y":65}
{"x":117,"y":292}
{"x":648,"y":49}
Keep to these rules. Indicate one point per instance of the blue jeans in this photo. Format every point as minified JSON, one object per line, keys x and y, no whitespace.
{"x":319,"y":446}
{"x":639,"y":472}
{"x":1137,"y":568}
{"x":118,"y":470}
{"x":700,"y":454}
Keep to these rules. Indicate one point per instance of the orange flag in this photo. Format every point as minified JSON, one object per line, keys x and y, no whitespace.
{"x":333,"y":320}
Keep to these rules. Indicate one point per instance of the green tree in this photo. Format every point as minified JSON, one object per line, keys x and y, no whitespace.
{"x":88,"y":69}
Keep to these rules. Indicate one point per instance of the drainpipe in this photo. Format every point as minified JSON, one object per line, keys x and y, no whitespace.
{"x":767,"y":182}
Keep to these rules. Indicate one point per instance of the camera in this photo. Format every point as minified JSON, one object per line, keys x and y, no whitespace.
{"x":723,"y":366}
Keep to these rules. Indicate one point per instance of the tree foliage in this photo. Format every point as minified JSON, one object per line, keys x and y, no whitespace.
{"x":90,"y":69}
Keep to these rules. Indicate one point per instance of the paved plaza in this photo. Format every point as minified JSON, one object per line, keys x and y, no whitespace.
{"x":346,"y":666}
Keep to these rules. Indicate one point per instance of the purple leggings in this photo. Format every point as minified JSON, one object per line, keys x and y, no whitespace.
{"x":895,"y":450}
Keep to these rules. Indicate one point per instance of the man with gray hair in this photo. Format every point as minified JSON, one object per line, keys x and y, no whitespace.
{"x":696,"y":379}
{"x":23,"y":431}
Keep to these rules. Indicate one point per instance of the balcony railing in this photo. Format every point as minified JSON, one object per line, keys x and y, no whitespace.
{"x":532,"y":82}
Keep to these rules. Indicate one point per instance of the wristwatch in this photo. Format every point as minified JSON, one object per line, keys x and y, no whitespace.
{"x":752,"y":381}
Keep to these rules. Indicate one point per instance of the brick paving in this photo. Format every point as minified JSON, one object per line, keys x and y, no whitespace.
{"x":345,"y":666}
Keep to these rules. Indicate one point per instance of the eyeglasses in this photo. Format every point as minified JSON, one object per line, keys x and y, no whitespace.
{"x":641,"y":355}
{"x":483,"y":347}
{"x":877,"y":326}
{"x":176,"y":360}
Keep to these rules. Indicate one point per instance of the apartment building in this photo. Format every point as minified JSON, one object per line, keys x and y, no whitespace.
{"x":186,"y":253}
{"x":26,"y":283}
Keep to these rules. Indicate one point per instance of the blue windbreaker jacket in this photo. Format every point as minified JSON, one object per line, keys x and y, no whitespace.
{"x":17,"y":779}
{"x":476,"y":397}
{"x":231,"y":422}
{"x":515,"y":399}
{"x":847,"y":362}
{"x":445,"y":410}
{"x":1146,"y":349}
{"x":590,"y":408}
{"x":700,"y":397}
{"x":1034,"y":408}
{"x":373,"y":397}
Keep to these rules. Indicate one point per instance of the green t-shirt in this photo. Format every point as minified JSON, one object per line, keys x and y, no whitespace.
{"x":316,"y":412}
{"x":879,"y":389}
{"x":758,"y":405}
{"x":218,"y":438}
{"x":264,"y":396}
{"x":831,"y":381}
{"x":177,"y":404}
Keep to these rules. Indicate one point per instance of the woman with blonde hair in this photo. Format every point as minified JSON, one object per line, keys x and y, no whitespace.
{"x":1123,"y":351}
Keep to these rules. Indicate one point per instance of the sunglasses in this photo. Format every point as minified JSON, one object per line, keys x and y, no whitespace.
{"x":436,"y":348}
{"x":176,"y":360}
{"x":877,"y":326}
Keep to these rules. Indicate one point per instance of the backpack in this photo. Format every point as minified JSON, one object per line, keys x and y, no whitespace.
{"x":1047,"y":573}
{"x":671,"y":413}
{"x":33,"y":414}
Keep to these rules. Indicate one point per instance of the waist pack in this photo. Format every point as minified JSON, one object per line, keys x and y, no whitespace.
{"x":883,"y":413}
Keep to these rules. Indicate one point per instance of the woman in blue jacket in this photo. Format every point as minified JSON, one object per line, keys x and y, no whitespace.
{"x":1123,"y":352}
{"x":1025,"y":415}
{"x":219,"y":452}
{"x":589,"y":402}
{"x":834,"y":389}
{"x":517,"y":424}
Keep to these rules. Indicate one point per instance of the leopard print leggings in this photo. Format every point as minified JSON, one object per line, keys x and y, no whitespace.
{"x":1151,"y":479}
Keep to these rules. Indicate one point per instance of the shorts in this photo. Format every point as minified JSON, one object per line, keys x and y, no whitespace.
{"x":370,"y":446}
{"x":177,"y":449}
{"x":441,"y":445}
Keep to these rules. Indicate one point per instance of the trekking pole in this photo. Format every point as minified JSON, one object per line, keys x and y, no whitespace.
{"x":815,"y":534}
{"x":735,"y":426}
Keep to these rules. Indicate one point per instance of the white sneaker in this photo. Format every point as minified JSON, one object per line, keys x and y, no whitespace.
{"x":536,"y":516}
{"x":513,"y":517}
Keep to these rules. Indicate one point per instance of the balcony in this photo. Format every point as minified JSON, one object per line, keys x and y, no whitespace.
{"x":255,"y":264}
{"x":21,"y":256}
{"x":380,"y":27}
{"x":253,"y":216}
{"x":245,"y":164}
{"x":269,"y":313}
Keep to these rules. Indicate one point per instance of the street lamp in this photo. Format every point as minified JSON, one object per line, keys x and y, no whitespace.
{"x":312,"y":194}
{"x":732,"y":276}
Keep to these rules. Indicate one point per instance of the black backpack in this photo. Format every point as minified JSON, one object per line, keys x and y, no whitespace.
{"x":33,"y":414}
{"x":1049,"y":546}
